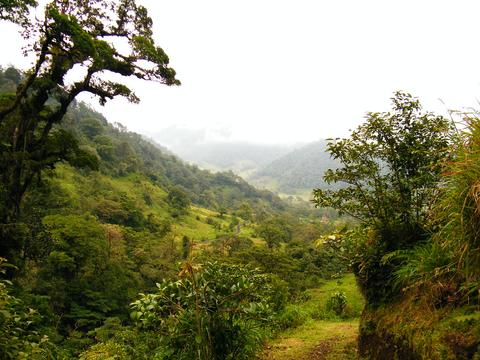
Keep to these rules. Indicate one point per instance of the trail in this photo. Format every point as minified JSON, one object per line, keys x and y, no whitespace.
{"x":321,"y":337}
{"x":315,"y":340}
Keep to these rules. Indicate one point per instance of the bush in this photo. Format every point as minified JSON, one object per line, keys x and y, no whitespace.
{"x":447,"y":265}
{"x":390,"y":170}
{"x":375,"y":276}
{"x":105,"y":351}
{"x":457,"y":212}
{"x":124,"y":343}
{"x":423,"y":266}
{"x":337,"y":303}
{"x":291,"y":317}
{"x":179,"y":200}
{"x":217,"y":311}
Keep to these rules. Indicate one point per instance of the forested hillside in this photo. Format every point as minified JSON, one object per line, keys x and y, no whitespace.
{"x":122,"y":152}
{"x":286,"y":169}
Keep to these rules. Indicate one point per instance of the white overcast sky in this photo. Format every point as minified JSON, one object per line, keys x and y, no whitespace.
{"x":298,"y":70}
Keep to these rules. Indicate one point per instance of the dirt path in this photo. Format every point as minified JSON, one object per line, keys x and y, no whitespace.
{"x":315,"y":340}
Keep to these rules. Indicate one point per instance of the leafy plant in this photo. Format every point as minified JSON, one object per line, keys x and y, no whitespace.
{"x":105,"y":351}
{"x":212,"y":312}
{"x":422,"y":265}
{"x":18,"y":337}
{"x":178,"y":199}
{"x":16,"y":10}
{"x":447,"y":265}
{"x":275,"y":231}
{"x":292,"y":316}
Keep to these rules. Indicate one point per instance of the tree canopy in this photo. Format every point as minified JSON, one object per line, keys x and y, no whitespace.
{"x":80,"y":38}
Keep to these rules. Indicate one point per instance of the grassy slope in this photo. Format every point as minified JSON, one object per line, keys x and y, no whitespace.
{"x":321,"y":336}
{"x":193,"y":224}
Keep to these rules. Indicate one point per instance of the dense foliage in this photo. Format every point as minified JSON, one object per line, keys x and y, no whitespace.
{"x":16,"y":10}
{"x":391,"y":168}
{"x":126,"y":252}
{"x":413,"y":185}
{"x":216,"y":312}
{"x":447,"y":264}
{"x":19,"y":338}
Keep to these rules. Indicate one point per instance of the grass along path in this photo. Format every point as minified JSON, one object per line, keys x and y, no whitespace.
{"x":322,"y":335}
{"x":315,"y":340}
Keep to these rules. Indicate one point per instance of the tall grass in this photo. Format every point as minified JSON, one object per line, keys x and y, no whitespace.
{"x":451,"y":256}
{"x":458,"y":208}
{"x":427,"y":263}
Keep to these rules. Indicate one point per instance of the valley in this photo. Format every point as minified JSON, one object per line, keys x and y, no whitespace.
{"x":286,"y":169}
{"x":102,"y":233}
{"x":191,"y":241}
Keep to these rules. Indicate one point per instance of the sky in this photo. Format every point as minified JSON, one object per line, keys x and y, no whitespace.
{"x":289,"y":71}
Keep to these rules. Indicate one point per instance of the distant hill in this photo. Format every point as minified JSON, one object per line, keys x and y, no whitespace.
{"x":285,"y":168}
{"x":298,"y":171}
{"x":198,"y":146}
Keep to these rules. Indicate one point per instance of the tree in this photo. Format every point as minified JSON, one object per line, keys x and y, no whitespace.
{"x":13,"y":75}
{"x":85,"y":275}
{"x":245,"y":211}
{"x":275,"y":231}
{"x":91,"y":127}
{"x":391,"y":169}
{"x":75,"y":35}
{"x":222,"y":210}
{"x":178,"y":199}
{"x":390,"y":173}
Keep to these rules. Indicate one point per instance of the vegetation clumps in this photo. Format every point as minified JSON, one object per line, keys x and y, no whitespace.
{"x":390,"y":167}
{"x":439,"y":310}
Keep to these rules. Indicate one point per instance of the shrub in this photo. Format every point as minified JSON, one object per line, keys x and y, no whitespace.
{"x":105,"y":351}
{"x":423,"y":266}
{"x":337,"y":303}
{"x":291,"y":317}
{"x":390,"y":169}
{"x":212,"y":312}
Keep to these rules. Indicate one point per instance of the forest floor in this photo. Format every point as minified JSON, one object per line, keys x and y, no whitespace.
{"x":321,"y":337}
